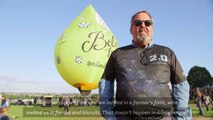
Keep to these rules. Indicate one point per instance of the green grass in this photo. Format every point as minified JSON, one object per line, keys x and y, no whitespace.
{"x":76,"y":113}
{"x":54,"y":113}
{"x":195,"y":111}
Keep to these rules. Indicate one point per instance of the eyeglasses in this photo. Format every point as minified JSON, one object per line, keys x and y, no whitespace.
{"x":140,"y":22}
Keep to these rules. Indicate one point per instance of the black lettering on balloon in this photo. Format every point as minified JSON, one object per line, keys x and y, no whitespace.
{"x":98,"y":42}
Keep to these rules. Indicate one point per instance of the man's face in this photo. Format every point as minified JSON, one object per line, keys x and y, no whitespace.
{"x":142,"y":29}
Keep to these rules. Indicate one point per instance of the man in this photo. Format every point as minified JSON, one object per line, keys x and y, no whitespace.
{"x":143,"y":71}
{"x":66,"y":103}
{"x":4,"y":105}
{"x":199,"y":98}
{"x":207,"y":101}
{"x":4,"y":109}
{"x":3,"y":114}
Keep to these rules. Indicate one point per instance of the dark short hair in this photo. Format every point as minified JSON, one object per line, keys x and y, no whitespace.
{"x":4,"y":117}
{"x":142,"y":11}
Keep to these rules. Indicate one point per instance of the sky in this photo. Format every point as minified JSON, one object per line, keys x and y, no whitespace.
{"x":29,"y":30}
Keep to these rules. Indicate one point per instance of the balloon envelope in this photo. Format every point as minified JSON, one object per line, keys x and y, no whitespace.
{"x":83,"y":49}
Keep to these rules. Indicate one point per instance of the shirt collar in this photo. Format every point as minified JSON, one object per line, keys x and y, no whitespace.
{"x":146,"y":47}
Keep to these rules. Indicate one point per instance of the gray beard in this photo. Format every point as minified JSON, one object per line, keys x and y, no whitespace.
{"x":142,"y":39}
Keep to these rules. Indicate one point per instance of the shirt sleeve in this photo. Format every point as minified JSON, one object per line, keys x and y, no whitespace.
{"x":106,"y":93}
{"x":177,"y":74}
{"x":180,"y":93}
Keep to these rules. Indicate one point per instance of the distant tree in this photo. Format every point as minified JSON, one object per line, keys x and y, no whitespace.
{"x":199,"y":77}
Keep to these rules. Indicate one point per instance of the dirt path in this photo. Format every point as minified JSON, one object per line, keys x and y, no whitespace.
{"x":202,"y":118}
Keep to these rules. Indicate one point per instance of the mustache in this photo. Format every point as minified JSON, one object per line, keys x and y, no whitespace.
{"x":142,"y":30}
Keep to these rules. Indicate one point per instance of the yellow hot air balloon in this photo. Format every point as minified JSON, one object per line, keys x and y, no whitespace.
{"x":83,"y":49}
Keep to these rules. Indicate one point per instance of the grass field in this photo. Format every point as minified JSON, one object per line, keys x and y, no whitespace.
{"x":54,"y":113}
{"x":76,"y":113}
{"x":195,"y":111}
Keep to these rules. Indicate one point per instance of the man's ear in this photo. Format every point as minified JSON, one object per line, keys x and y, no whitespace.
{"x":130,"y":30}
